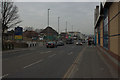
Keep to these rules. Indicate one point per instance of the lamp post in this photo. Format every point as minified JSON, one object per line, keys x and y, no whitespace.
{"x":72,"y":28}
{"x":48,"y":26}
{"x":66,"y":27}
{"x":58,"y":24}
{"x":48,"y":17}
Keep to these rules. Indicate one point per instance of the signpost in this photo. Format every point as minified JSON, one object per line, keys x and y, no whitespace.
{"x":18,"y":33}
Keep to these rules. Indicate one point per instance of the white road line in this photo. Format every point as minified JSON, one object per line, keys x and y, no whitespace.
{"x":70,"y":53}
{"x":45,"y":52}
{"x":52,"y":55}
{"x":33,"y":63}
{"x":4,"y":76}
{"x":25,"y":55}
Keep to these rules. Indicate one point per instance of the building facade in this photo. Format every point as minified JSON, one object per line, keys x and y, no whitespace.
{"x":107,"y":28}
{"x":49,"y":34}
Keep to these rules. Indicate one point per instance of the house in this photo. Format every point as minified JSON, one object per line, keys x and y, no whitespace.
{"x":49,"y":33}
{"x":8,"y":36}
{"x":30,"y":35}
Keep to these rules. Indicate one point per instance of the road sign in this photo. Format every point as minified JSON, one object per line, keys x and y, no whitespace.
{"x":18,"y":37}
{"x":18,"y":33}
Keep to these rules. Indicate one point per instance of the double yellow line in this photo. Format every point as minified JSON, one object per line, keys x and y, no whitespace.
{"x":73,"y":66}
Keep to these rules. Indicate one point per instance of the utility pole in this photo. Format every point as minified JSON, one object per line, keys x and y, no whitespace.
{"x":58,"y":24}
{"x":66,"y":27}
{"x":48,"y":26}
{"x":72,"y":28}
{"x":48,"y":17}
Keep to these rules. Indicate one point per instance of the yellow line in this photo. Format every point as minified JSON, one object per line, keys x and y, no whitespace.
{"x":73,"y":66}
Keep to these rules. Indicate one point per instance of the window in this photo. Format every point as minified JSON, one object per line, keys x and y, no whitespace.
{"x":105,"y":29}
{"x":99,"y":34}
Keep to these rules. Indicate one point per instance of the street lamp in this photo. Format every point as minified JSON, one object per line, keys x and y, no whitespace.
{"x":58,"y":24}
{"x":48,"y":17}
{"x":48,"y":25}
{"x":66,"y":27}
{"x":72,"y":28}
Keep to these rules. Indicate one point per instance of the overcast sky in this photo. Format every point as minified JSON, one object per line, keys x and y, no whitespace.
{"x":78,"y":14}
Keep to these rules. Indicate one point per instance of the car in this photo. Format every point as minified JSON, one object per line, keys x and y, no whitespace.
{"x":51,"y":44}
{"x":60,"y":43}
{"x":83,"y":41}
{"x":78,"y":43}
{"x":69,"y":41}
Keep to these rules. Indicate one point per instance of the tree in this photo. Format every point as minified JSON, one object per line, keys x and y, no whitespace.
{"x":10,"y":16}
{"x":28,"y":28}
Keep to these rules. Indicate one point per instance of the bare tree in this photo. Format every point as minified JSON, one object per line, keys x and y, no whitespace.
{"x":10,"y":15}
{"x":28,"y":28}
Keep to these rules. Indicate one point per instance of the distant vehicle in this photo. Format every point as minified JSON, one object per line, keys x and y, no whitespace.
{"x":75,"y":38}
{"x":78,"y":42}
{"x":60,"y":43}
{"x":51,"y":44}
{"x":69,"y":41}
{"x":41,"y":38}
{"x":83,"y":41}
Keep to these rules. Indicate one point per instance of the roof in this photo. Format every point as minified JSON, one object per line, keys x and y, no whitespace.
{"x":106,"y":4}
{"x":49,"y":30}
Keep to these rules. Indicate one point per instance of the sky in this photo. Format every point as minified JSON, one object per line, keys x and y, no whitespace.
{"x":78,"y":14}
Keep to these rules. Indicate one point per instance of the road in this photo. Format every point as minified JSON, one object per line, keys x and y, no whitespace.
{"x":42,"y":62}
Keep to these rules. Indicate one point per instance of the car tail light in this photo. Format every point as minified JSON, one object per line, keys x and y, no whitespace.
{"x":51,"y":44}
{"x":46,"y":44}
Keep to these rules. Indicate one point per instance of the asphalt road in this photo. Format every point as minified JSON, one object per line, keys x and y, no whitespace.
{"x":69,"y":61}
{"x":40,"y":62}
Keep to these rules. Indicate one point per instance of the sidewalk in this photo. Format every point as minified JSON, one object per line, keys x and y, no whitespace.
{"x":92,"y":64}
{"x":21,"y":49}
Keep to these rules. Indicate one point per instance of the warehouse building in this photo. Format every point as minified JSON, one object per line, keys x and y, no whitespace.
{"x":107,"y":28}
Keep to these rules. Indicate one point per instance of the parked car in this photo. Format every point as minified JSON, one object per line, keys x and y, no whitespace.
{"x":78,"y":43}
{"x":60,"y":43}
{"x":51,"y":44}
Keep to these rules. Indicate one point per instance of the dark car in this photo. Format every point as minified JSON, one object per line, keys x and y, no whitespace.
{"x":83,"y":41}
{"x":69,"y":41}
{"x":78,"y":42}
{"x":51,"y":44}
{"x":60,"y":43}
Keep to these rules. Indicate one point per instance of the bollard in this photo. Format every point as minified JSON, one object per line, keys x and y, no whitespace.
{"x":12,"y":46}
{"x":9,"y":46}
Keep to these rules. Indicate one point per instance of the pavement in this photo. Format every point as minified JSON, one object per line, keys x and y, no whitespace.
{"x":22,"y":49}
{"x":69,"y":61}
{"x":92,"y":64}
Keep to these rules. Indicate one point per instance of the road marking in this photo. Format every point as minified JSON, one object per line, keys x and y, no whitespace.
{"x":33,"y":64}
{"x":70,"y":53}
{"x":72,"y":68}
{"x":52,"y":55}
{"x":25,"y":55}
{"x":4,"y":76}
{"x":45,"y":52}
{"x":48,"y":51}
